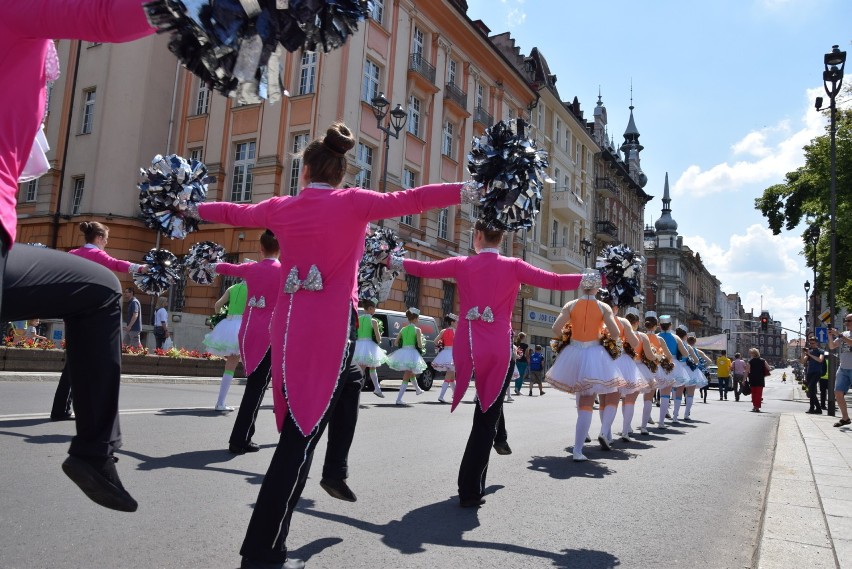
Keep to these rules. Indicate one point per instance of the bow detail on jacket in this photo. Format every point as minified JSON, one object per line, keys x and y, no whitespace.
{"x":486,"y":316}
{"x":312,"y":282}
{"x":257,"y":302}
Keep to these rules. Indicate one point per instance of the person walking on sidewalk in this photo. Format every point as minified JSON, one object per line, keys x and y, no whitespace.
{"x":522,"y":360}
{"x":133,"y":322}
{"x":756,"y":369}
{"x":843,"y":341}
{"x":738,"y":367}
{"x":723,"y":373}
{"x":813,"y":358}
{"x":537,"y":370}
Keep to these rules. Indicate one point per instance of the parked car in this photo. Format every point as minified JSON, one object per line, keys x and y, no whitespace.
{"x":712,"y":374}
{"x":392,"y":323}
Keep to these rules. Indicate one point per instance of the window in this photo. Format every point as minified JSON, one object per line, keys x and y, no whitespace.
{"x":364,"y":160}
{"x":300,"y":141}
{"x":202,"y":100}
{"x":480,"y":96}
{"x":443,"y":222}
{"x":88,"y":111}
{"x":378,"y":11}
{"x":412,"y":290}
{"x":196,"y":154}
{"x":308,"y":73}
{"x":558,"y":132}
{"x":577,"y":153}
{"x":447,"y":140}
{"x":539,"y":117}
{"x":554,"y":233}
{"x":409,"y":180}
{"x":370,"y":84}
{"x":556,"y":173}
{"x":567,"y":140}
{"x":414,"y":115}
{"x":448,"y":301}
{"x":243,"y":168}
{"x":417,"y":44}
{"x":31,"y":191}
{"x":77,"y":198}
{"x":451,"y":71}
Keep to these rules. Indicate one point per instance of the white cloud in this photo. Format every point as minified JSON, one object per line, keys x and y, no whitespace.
{"x":770,"y":153}
{"x":516,"y":14}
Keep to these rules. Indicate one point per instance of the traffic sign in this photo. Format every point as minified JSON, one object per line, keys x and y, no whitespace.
{"x":822,"y":335}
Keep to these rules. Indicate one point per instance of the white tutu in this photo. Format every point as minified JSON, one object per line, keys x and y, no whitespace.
{"x":368,"y":353}
{"x":648,"y":377}
{"x":444,"y":360}
{"x":633,"y":379}
{"x":682,"y":374}
{"x":696,"y":378}
{"x":223,"y":340}
{"x":585,"y":368}
{"x":407,"y":359}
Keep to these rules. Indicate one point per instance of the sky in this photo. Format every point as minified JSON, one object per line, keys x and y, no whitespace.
{"x":724,"y":102}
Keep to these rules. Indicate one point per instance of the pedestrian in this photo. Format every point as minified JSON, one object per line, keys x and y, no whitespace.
{"x":316,"y":310}
{"x":96,"y":236}
{"x":756,"y":370}
{"x":133,"y":319}
{"x":584,"y":367}
{"x":698,"y":378}
{"x":444,"y":360}
{"x":161,"y":322}
{"x":522,"y":360}
{"x":224,"y":339}
{"x":262,"y":280}
{"x":39,"y":282}
{"x":488,"y":285}
{"x":676,"y":350}
{"x":368,"y":353}
{"x":408,"y":358}
{"x":738,"y":367}
{"x":536,"y":371}
{"x":32,"y":331}
{"x":842,"y":341}
{"x":647,"y":362}
{"x":813,"y":358}
{"x":784,"y":377}
{"x":723,"y":374}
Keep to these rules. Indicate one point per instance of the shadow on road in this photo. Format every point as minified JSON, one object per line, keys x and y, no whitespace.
{"x":49,"y":439}
{"x":195,"y":460}
{"x":314,"y":548}
{"x":563,"y":468}
{"x":418,"y":528}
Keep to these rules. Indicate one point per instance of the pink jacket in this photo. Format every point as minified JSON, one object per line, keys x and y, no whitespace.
{"x":263,"y":281}
{"x":321,"y":227}
{"x":486,"y":280}
{"x":26,"y":27}
{"x":101,"y":257}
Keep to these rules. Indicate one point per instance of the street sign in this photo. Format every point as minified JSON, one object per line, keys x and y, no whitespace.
{"x":822,"y":335}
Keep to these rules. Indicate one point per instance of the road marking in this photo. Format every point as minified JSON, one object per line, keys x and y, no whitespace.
{"x":120,"y":412}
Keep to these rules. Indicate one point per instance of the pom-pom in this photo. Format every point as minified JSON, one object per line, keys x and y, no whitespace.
{"x":650,"y":363}
{"x":628,"y":349}
{"x":612,"y":346}
{"x":623,"y":270}
{"x":512,"y":171}
{"x":375,"y":278}
{"x":667,"y":364}
{"x":163,"y":271}
{"x":237,"y":46}
{"x":170,"y":187}
{"x":198,"y":261}
{"x":564,"y":339}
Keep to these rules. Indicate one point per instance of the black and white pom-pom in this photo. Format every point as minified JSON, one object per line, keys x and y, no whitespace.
{"x":623,"y":270}
{"x":168,"y":187}
{"x":198,"y":261}
{"x":163,"y":271}
{"x":237,"y":46}
{"x":375,"y":278}
{"x":512,"y":171}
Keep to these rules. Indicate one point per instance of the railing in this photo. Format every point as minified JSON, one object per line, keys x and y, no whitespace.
{"x":606,"y":184}
{"x":563,"y":253}
{"x":607,"y":228}
{"x":482,"y":117}
{"x":455,"y":94}
{"x":418,"y":63}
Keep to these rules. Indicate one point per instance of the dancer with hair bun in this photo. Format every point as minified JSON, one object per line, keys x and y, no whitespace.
{"x":407,"y":358}
{"x":368,"y":354}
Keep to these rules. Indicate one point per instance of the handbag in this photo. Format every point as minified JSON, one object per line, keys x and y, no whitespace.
{"x":746,"y":387}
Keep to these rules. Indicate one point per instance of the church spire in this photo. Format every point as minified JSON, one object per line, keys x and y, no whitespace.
{"x":666,"y":222}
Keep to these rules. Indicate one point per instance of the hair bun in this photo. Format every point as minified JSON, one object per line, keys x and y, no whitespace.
{"x":339,"y":138}
{"x":85,"y":226}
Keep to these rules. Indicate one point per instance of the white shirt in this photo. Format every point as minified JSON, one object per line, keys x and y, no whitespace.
{"x":161,"y":317}
{"x":845,"y":351}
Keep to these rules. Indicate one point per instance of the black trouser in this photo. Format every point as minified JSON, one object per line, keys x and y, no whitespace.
{"x":159,"y":336}
{"x":266,"y":536}
{"x":738,"y":385}
{"x":43,"y":283}
{"x":62,"y":397}
{"x":823,"y":391}
{"x":256,"y":384}
{"x":813,"y":391}
{"x":341,"y":426}
{"x":487,"y":427}
{"x":723,"y":387}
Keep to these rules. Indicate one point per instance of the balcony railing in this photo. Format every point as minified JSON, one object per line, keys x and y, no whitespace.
{"x":456,"y":95}
{"x":558,"y":253}
{"x":606,"y":185}
{"x":418,"y":63}
{"x":606,"y":228}
{"x":482,"y":117}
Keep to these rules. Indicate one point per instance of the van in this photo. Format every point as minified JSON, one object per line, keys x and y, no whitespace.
{"x":392,"y":322}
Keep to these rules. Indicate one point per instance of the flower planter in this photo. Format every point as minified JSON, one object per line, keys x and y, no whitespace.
{"x":18,"y":359}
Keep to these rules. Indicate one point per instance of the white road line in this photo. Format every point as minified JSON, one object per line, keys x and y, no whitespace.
{"x":120,"y":412}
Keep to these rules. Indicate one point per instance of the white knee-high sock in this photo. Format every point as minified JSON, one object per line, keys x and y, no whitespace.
{"x":664,"y":408}
{"x":227,"y":378}
{"x":417,"y":389}
{"x":584,"y":421}
{"x":647,"y":407}
{"x":689,"y":399}
{"x":444,"y":388}
{"x":627,"y":416}
{"x":678,"y":401}
{"x":607,"y":419}
{"x":375,"y":378}
{"x":402,"y":389}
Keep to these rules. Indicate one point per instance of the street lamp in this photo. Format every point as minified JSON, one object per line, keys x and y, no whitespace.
{"x":832,"y":79}
{"x":587,"y":250}
{"x":807,"y":307}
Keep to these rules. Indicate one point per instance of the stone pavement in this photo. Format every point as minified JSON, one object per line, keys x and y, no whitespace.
{"x":808,"y":516}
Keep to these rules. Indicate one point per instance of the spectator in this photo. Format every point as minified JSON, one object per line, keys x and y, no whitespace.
{"x":756,"y":369}
{"x":133,"y":319}
{"x":723,"y":373}
{"x":843,"y":342}
{"x":738,"y":367}
{"x":32,"y":330}
{"x":161,"y":321}
{"x":522,"y":360}
{"x":537,"y":370}
{"x":813,"y":358}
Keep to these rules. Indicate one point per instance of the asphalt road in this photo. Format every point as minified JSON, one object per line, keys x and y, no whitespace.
{"x":689,"y":497}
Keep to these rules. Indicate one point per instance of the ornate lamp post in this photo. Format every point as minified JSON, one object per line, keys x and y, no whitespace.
{"x":807,"y":307}
{"x":587,"y":250}
{"x":398,"y":118}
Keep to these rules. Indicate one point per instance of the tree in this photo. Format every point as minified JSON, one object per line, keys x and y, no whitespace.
{"x":806,"y":195}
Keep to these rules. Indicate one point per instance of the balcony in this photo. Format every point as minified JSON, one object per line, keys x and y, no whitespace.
{"x":606,"y":187}
{"x":482,"y":117}
{"x":454,"y":94}
{"x":565,"y":259}
{"x":606,"y":231}
{"x":422,"y":72}
{"x":567,"y":203}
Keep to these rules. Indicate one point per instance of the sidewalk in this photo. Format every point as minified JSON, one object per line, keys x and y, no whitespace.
{"x":808,"y":516}
{"x":125,"y":378}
